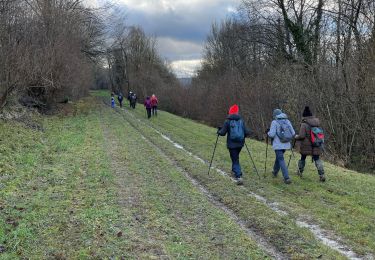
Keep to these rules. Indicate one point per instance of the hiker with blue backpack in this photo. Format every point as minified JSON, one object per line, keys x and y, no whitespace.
{"x":236,"y":131}
{"x":310,"y":140}
{"x":281,"y":133}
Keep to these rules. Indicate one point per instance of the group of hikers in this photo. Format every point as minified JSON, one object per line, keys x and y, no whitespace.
{"x":132,"y":98}
{"x":150,"y":103}
{"x":309,"y":141}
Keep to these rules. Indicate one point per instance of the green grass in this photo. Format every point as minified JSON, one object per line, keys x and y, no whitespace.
{"x":58,"y":197}
{"x":81,"y":190}
{"x":345,"y":204}
{"x":90,"y":186}
{"x":173,"y":212}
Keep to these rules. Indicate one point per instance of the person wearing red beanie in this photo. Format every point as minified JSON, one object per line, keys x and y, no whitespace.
{"x":236,"y":131}
{"x":233,"y":110}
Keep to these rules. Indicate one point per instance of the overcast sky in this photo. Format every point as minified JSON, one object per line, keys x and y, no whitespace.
{"x":181,"y":26}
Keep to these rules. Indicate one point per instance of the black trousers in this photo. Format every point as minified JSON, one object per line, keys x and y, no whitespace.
{"x":148,"y":112}
{"x":154,"y":110}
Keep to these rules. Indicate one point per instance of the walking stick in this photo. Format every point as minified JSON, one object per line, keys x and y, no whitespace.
{"x":291,"y":154}
{"x":213,"y":154}
{"x":265,"y":162}
{"x":255,"y":168}
{"x":294,"y":156}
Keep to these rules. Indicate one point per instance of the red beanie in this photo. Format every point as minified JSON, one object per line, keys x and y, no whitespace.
{"x":233,"y":109}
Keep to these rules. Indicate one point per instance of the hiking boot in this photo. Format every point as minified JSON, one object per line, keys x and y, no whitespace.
{"x":239,"y":181}
{"x":287,"y":181}
{"x":322,"y":178}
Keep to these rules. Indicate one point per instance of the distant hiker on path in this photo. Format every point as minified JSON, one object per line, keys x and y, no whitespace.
{"x":235,"y":127}
{"x":154,"y":105}
{"x":281,"y":133}
{"x":310,"y":141}
{"x":148,"y":106}
{"x":112,"y":100}
{"x":133,"y":100}
{"x":130,"y":94}
{"x":120,"y":98}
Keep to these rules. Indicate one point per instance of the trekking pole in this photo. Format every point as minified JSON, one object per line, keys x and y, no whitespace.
{"x":291,"y":154}
{"x":213,"y":154}
{"x":294,"y":156}
{"x":255,"y":168}
{"x":299,"y":171}
{"x":265,"y":162}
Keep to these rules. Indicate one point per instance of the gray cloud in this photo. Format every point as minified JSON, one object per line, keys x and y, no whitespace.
{"x":181,"y":26}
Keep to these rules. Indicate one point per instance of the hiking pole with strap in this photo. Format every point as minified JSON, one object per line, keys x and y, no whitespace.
{"x":213,"y":154}
{"x":265,"y":162}
{"x":255,"y":168}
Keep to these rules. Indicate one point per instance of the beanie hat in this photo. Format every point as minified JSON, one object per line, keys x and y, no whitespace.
{"x":306,"y":112}
{"x":233,"y":109}
{"x":276,"y":112}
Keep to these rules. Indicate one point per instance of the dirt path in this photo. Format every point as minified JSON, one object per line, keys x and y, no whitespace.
{"x":262,"y":242}
{"x":130,"y":196}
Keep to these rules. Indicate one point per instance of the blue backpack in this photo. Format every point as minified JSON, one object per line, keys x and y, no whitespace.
{"x":236,"y":131}
{"x":284,"y":132}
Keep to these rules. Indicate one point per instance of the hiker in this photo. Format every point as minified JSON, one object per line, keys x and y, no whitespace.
{"x":133,"y":100}
{"x":113,"y":100}
{"x":281,"y":133}
{"x":236,"y":132}
{"x":120,"y":98}
{"x":154,"y":105}
{"x":305,"y":144}
{"x":147,"y":105}
{"x":130,"y":97}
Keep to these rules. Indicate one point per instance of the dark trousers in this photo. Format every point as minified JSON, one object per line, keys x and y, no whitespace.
{"x":314,"y":157}
{"x":235,"y":156}
{"x":155,"y":110}
{"x":148,"y":112}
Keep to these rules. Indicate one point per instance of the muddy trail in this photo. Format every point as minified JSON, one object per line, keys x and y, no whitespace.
{"x":277,"y":251}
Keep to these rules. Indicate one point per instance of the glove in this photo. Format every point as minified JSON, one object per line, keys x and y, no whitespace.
{"x":267,"y":130}
{"x":219,"y":128}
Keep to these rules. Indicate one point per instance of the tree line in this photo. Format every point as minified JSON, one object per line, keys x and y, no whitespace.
{"x":56,"y":50}
{"x":288,"y":54}
{"x":48,"y":49}
{"x":135,"y":65}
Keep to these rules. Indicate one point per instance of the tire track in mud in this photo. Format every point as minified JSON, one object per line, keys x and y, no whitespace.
{"x":261,"y":241}
{"x":128,"y":195}
{"x":326,"y":237}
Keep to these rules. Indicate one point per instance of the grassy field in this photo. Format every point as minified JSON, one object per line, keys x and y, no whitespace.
{"x":81,"y":190}
{"x":344,"y":205}
{"x":103,"y":183}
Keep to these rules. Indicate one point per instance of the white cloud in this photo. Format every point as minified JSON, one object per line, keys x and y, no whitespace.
{"x":186,"y":68}
{"x":92,"y":3}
